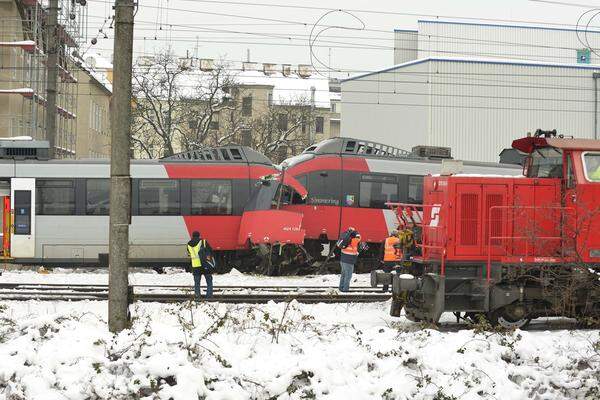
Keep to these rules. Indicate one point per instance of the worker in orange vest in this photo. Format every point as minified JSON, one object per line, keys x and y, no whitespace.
{"x":349,"y":244}
{"x":392,"y":254}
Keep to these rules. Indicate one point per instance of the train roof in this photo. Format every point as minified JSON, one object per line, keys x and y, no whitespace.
{"x":222,"y":154}
{"x":358,"y":147}
{"x":529,"y":144}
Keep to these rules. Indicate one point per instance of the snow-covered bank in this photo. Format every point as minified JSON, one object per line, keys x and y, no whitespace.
{"x":173,"y":277}
{"x":278,"y":351}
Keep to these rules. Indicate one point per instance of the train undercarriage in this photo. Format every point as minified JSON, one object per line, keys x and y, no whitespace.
{"x":511,"y":298}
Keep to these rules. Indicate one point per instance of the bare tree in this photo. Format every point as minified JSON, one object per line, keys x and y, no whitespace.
{"x":282,"y":127}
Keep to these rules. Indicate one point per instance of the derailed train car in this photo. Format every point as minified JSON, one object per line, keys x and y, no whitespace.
{"x":509,"y":248}
{"x":350,"y":181}
{"x":55,"y":212}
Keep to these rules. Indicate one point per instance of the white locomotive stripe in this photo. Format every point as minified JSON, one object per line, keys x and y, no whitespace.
{"x":426,"y":167}
{"x":99,"y":169}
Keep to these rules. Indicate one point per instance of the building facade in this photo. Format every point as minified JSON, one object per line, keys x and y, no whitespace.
{"x":24,"y":47}
{"x":471,"y":88}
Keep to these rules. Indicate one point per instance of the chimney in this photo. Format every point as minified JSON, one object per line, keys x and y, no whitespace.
{"x":286,"y":69}
{"x":207,"y":64}
{"x":304,"y":70}
{"x":249,"y":66}
{"x":269,"y":69}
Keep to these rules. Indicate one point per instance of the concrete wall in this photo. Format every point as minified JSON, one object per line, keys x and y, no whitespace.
{"x":406,"y":44}
{"x":389,"y":107}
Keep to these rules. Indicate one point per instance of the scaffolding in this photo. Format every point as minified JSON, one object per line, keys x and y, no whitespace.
{"x":24,"y":44}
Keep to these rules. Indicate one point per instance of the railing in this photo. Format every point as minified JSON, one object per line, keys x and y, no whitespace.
{"x":412,"y":215}
{"x":527,"y":239}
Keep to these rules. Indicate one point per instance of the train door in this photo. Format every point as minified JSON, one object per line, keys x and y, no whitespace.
{"x":569,"y":213}
{"x":22,"y":202}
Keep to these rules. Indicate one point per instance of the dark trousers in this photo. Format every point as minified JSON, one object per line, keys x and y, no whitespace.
{"x":198,"y":272}
{"x":389,"y":266}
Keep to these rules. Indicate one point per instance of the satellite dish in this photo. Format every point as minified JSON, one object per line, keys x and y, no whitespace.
{"x":91,"y":61}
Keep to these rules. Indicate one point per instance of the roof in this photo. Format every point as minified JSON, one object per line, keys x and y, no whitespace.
{"x":97,"y":61}
{"x":431,"y":21}
{"x":97,"y":66}
{"x":529,"y":144}
{"x":478,"y":60}
{"x":287,"y":89}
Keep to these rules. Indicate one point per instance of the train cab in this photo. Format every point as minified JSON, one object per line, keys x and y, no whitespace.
{"x":575,"y":165}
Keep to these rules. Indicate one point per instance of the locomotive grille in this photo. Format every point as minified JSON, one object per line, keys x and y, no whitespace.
{"x":495,"y":219}
{"x":469,"y":203}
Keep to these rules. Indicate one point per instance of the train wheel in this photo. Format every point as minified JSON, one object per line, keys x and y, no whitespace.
{"x":510,"y":317}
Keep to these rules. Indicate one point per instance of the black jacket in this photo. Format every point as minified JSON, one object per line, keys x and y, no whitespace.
{"x":343,"y":242}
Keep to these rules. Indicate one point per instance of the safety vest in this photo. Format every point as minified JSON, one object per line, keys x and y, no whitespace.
{"x":195,"y":254}
{"x":352,"y":247}
{"x":391,"y":253}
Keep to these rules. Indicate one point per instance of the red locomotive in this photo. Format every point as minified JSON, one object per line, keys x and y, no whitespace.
{"x":510,"y":248}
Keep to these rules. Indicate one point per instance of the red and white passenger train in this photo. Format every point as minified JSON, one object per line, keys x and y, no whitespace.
{"x":55,"y":212}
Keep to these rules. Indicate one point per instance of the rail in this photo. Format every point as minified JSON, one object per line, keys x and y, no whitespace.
{"x":176,"y":293}
{"x":526,"y":239}
{"x":412,"y":215}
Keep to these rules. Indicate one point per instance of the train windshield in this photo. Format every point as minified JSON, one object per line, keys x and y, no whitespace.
{"x":592,"y":166}
{"x":546,"y":163}
{"x":267,"y":194}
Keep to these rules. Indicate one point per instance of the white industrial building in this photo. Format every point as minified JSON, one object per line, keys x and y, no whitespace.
{"x":476,"y":87}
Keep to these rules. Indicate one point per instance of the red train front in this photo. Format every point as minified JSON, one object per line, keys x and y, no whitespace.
{"x":510,"y":248}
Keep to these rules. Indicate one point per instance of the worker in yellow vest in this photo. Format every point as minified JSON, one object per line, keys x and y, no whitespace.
{"x":392,"y":254}
{"x":202,"y":261}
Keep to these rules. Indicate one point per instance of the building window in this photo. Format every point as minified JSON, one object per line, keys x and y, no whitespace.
{"x":214,"y":125}
{"x":319,"y":122}
{"x":97,"y":196}
{"x":376,"y":190}
{"x":282,"y":122}
{"x":192,"y":124}
{"x":159,"y":197}
{"x":55,"y":197}
{"x":211,"y":197}
{"x":247,"y":106}
{"x":246,"y":137}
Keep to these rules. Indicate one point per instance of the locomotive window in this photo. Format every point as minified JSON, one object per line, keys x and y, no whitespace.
{"x":97,"y":196}
{"x":415,"y":189}
{"x":546,"y":163}
{"x":376,"y":194}
{"x":158,"y":197}
{"x":592,"y":166}
{"x":211,"y":197}
{"x":55,"y":197}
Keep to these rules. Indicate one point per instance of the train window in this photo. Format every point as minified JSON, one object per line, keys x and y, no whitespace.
{"x":296,"y":198}
{"x":211,"y":197}
{"x":158,"y":197}
{"x":415,"y":189}
{"x":375,"y":194}
{"x":55,"y":197}
{"x":546,"y":163}
{"x":592,"y":166}
{"x":97,"y":196}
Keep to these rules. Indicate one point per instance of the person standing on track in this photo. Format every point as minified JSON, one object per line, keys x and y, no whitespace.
{"x":349,"y":245}
{"x":392,"y":254}
{"x":202,"y":264}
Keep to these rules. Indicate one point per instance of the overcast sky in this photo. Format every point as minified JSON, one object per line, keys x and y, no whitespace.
{"x":271,"y":35}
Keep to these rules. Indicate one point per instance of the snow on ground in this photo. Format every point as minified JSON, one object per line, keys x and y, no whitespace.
{"x":173,"y":276}
{"x":62,"y":350}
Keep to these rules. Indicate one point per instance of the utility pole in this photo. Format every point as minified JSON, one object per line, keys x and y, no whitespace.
{"x":120,"y":183}
{"x":51,"y":69}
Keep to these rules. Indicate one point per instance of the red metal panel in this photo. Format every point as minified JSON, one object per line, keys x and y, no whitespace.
{"x":271,"y":226}
{"x":468,"y":219}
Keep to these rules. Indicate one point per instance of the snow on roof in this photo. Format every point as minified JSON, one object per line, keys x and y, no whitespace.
{"x":97,"y":61}
{"x":97,"y":66}
{"x":477,"y":60}
{"x":287,"y":89}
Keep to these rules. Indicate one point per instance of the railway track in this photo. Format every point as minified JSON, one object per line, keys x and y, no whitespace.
{"x":177,"y":293}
